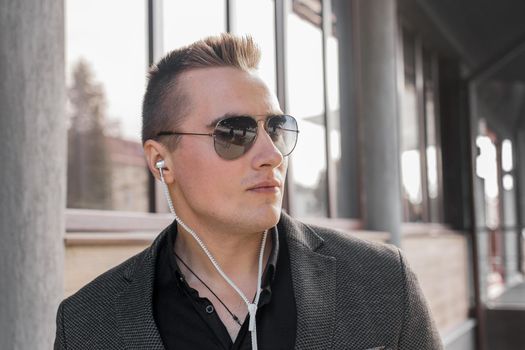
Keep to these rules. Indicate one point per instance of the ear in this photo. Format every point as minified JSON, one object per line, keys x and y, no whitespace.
{"x":155,"y":151}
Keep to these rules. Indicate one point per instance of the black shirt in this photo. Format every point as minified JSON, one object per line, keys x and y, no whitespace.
{"x":187,"y":321}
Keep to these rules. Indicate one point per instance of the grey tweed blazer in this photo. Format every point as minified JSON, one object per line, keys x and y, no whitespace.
{"x":350,"y":294}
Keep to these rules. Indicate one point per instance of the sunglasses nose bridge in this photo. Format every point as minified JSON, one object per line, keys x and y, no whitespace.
{"x":266,"y":136}
{"x":264,"y":127}
{"x":265,"y":123}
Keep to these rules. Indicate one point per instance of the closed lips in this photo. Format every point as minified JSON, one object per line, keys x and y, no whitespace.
{"x":265,"y":184}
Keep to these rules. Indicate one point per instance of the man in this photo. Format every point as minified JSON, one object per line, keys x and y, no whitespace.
{"x":233,"y":271}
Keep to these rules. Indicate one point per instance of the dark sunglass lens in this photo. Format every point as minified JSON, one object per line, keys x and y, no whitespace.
{"x":283,"y":131}
{"x":234,"y":136}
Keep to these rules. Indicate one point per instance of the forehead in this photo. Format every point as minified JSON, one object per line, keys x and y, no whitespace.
{"x":218,"y":91}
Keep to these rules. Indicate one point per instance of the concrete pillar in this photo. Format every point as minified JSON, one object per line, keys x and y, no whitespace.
{"x":376,"y":38}
{"x":348,"y":186}
{"x":32,"y":171}
{"x":520,"y":181}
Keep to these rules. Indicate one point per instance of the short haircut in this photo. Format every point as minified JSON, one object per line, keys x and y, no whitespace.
{"x":165,"y":103}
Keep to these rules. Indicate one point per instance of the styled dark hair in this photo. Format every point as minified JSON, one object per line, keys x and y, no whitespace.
{"x":165,"y":103}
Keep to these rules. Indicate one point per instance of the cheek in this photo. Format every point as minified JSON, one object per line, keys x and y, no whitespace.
{"x":206,"y":181}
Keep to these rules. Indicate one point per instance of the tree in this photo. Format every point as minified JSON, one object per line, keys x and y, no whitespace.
{"x":89,"y":163}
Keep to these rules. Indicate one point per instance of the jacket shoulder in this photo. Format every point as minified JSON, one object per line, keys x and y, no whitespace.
{"x":95,"y":302}
{"x":89,"y":315}
{"x":377,"y":275}
{"x":377,"y":268}
{"x":109,"y":283}
{"x":90,"y":318}
{"x":346,"y":247}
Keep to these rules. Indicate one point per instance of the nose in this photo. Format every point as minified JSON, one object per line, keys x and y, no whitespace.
{"x":264,"y":150}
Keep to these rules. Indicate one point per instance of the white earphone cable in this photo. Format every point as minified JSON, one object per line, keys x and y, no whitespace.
{"x":252,"y":307}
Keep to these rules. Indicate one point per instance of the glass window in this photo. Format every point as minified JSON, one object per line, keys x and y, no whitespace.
{"x":188,"y":21}
{"x":257,"y":18}
{"x":410,"y":138}
{"x":306,"y":102}
{"x":105,"y":77}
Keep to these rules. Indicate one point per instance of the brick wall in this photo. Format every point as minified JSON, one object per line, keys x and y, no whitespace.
{"x":440,"y":261}
{"x":89,"y":255}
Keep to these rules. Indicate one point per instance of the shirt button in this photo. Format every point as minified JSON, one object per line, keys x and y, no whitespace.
{"x":210,"y":309}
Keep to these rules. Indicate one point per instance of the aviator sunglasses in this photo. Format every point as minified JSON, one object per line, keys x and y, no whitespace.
{"x":234,"y":136}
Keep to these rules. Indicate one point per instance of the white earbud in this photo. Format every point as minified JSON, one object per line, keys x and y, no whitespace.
{"x":160,"y":164}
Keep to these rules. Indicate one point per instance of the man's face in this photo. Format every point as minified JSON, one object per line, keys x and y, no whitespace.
{"x":241,"y":195}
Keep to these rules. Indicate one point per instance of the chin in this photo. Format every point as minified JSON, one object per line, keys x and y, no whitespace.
{"x":262,"y":219}
{"x":269,"y":217}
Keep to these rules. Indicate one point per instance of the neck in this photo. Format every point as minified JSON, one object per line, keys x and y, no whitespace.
{"x":237,"y":255}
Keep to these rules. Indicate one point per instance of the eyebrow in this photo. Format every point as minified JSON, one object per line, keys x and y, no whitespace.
{"x":214,"y":122}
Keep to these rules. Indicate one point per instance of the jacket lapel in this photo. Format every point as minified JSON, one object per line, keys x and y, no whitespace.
{"x":314,"y":282}
{"x":134,"y":306}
